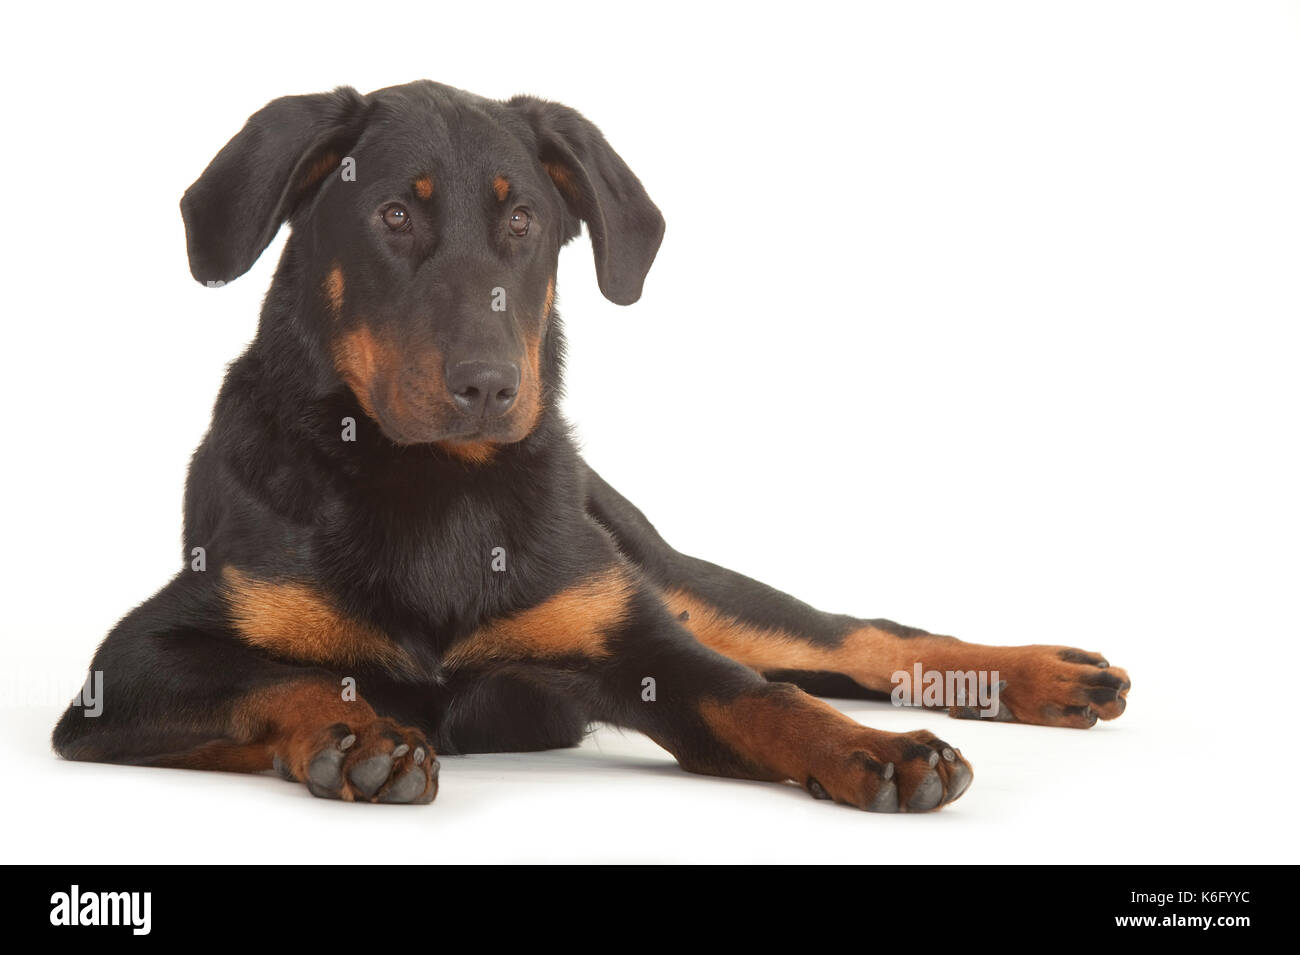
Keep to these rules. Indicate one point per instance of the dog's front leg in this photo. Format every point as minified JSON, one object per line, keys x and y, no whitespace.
{"x":609,"y":640}
{"x":785,"y":638}
{"x":720,"y":718}
{"x":180,"y":687}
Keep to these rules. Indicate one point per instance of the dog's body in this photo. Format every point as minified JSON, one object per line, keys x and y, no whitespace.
{"x":391,"y":545}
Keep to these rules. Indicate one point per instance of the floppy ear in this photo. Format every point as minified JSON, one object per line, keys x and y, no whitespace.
{"x":599,"y":188}
{"x":285,"y":150}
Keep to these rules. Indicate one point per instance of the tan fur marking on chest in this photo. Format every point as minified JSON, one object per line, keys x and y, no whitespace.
{"x":574,"y":622}
{"x":295,"y":620}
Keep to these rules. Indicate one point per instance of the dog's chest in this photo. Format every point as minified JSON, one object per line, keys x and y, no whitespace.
{"x":443,"y":565}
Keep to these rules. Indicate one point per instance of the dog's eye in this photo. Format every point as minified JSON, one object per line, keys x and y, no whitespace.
{"x":396,"y":217}
{"x":519,"y":221}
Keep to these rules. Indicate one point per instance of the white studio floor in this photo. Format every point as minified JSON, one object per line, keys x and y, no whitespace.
{"x":1183,"y":786}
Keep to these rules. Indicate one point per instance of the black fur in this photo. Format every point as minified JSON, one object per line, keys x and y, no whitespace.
{"x":398,"y":534}
{"x":383,"y":291}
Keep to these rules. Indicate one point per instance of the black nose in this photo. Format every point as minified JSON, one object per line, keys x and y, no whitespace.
{"x":483,"y":387}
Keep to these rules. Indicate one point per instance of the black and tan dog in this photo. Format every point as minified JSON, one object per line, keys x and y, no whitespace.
{"x":388,"y":500}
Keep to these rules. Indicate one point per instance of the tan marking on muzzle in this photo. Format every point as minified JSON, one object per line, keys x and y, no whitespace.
{"x":471,"y":452}
{"x":358,"y":357}
{"x":334,"y":290}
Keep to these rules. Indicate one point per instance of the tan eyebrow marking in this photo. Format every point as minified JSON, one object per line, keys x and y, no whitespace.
{"x":502,"y":186}
{"x":424,"y":187}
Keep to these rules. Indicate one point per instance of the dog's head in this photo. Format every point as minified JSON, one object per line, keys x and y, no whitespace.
{"x":427,"y":225}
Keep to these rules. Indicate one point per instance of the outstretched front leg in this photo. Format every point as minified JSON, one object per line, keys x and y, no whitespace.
{"x":608,"y":641}
{"x":772,"y":632}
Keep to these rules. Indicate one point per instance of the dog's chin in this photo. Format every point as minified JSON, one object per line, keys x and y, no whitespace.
{"x":414,"y":433}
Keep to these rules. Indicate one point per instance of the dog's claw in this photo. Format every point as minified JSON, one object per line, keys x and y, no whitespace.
{"x":886,"y":799}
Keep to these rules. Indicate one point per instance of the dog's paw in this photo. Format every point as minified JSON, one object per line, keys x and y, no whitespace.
{"x":894,"y":772}
{"x":378,"y":761}
{"x":1053,"y":686}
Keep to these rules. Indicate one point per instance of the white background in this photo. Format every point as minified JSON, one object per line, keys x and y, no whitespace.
{"x":979,"y":316}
